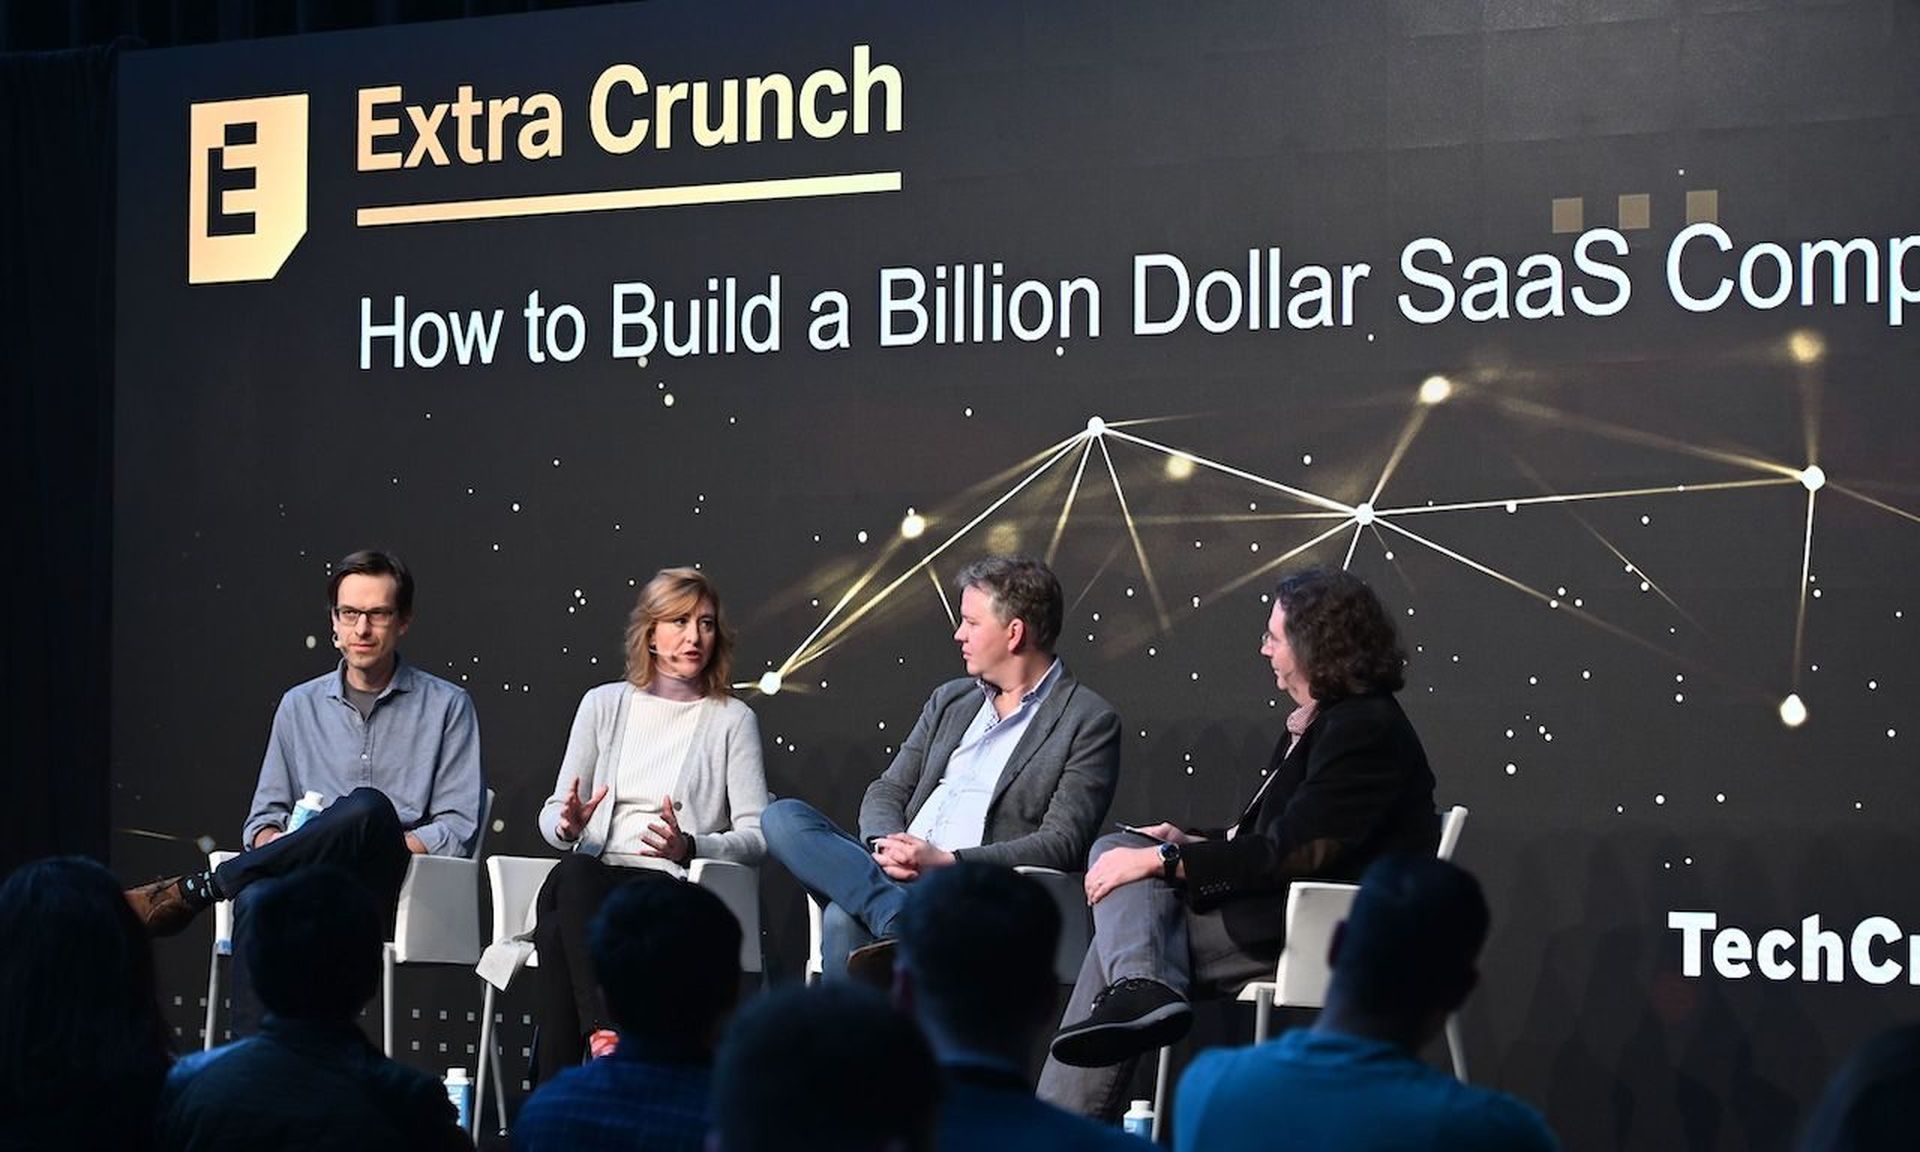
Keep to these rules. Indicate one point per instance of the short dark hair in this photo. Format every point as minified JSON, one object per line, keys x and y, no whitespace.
{"x":655,"y":933}
{"x":1873,"y":1100}
{"x":373,"y":562}
{"x":1412,"y":940}
{"x":83,"y":1049}
{"x":979,"y":940}
{"x":1341,"y":635}
{"x":311,"y":941}
{"x":1023,"y":588}
{"x":831,"y":1066}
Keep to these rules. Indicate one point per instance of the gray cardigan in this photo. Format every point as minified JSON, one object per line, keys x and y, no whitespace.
{"x":1052,"y":795}
{"x":721,"y":791}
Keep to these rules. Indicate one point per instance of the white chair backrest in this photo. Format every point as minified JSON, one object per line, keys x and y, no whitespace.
{"x":514,"y":881}
{"x":1452,"y":822}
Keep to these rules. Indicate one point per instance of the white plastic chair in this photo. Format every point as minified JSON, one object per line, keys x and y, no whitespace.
{"x":1069,"y":892}
{"x":436,"y":922}
{"x":1314,"y":909}
{"x":514,"y":882}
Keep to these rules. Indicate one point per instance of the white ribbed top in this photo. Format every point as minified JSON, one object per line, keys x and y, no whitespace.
{"x":659,"y":735}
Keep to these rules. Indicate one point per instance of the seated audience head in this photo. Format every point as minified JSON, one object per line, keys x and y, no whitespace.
{"x":1407,"y":955}
{"x":1018,"y":588}
{"x":1343,"y":642}
{"x":82,"y":1045}
{"x":668,"y":957}
{"x":827,"y":1067}
{"x":1872,"y":1104}
{"x":676,"y":595}
{"x":312,"y":944}
{"x":976,"y":958}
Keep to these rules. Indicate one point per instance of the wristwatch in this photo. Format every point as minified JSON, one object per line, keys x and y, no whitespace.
{"x":1169,"y":860}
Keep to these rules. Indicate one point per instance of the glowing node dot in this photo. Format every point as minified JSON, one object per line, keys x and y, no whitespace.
{"x":1435,"y":390}
{"x":770,"y":683}
{"x":1813,"y":478}
{"x":1512,"y":507}
{"x":1793,"y":711}
{"x":1095,"y":425}
{"x":1806,"y":346}
{"x":1646,"y":519}
{"x":1255,"y":547}
{"x":516,"y":506}
{"x":1659,"y":798}
{"x":1719,"y":797}
{"x":1511,"y":769}
{"x":313,"y":642}
{"x":1889,"y":733}
{"x":667,"y":399}
{"x":1363,"y":515}
{"x":1307,"y":459}
{"x":967,"y":412}
{"x":1179,"y":466}
{"x":861,"y":536}
{"x":913,"y":525}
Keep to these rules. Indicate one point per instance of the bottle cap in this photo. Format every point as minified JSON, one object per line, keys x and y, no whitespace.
{"x":311,"y":798}
{"x":456,"y":1074}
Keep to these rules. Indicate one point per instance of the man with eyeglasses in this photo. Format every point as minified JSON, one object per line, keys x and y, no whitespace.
{"x":393,"y":751}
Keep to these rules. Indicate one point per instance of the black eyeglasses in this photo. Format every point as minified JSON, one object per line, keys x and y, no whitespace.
{"x":378,"y":617}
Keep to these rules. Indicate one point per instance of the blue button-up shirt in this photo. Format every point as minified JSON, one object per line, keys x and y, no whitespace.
{"x":420,"y":746}
{"x":955,"y":814}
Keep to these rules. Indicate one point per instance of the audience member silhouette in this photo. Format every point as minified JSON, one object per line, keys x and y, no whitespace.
{"x":975,"y":968}
{"x":829,"y":1067}
{"x":1872,"y":1104}
{"x":309,"y":1079}
{"x":1402,"y":963}
{"x":667,"y":954}
{"x":83,"y":1051}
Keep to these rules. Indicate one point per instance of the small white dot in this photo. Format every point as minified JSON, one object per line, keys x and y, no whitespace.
{"x":883,"y":725}
{"x":313,"y":642}
{"x":1719,"y":797}
{"x":1646,"y":519}
{"x":967,"y":413}
{"x":1586,"y":674}
{"x":1660,"y":798}
{"x":556,"y":461}
{"x":1872,"y":685}
{"x":1509,"y":733}
{"x":861,"y":536}
{"x":1534,"y":680}
{"x":1512,"y":768}
{"x":667,"y":399}
{"x":1679,"y":697}
{"x":1889,"y":733}
{"x":1196,"y":676}
{"x":1619,"y":807}
{"x":1308,"y":458}
{"x":1153,"y":651}
{"x":516,"y":505}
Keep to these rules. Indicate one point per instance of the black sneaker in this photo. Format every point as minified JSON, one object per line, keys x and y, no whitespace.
{"x":1131,"y":1017}
{"x":872,"y":964}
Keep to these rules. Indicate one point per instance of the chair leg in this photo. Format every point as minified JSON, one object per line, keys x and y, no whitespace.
{"x":1262,"y":1018}
{"x":1457,"y":1048}
{"x":386,"y":1001}
{"x":1160,"y":1090}
{"x":480,"y":1068}
{"x":499,"y":1090}
{"x":213,"y":995}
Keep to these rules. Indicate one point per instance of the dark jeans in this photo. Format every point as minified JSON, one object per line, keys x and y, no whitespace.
{"x":861,"y":901}
{"x":567,"y":1002}
{"x":359,"y":834}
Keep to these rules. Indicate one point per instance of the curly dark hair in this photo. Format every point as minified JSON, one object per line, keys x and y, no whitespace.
{"x":1341,"y":635}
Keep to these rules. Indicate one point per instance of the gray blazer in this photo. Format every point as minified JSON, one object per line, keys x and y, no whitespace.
{"x":1052,"y":796}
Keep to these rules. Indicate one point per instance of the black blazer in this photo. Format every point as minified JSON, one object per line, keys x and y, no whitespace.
{"x":1356,"y":787}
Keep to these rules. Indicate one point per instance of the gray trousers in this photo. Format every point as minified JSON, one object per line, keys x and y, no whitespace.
{"x":1147,"y":929}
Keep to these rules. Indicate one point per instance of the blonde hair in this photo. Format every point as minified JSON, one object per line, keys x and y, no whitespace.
{"x":671,"y":593}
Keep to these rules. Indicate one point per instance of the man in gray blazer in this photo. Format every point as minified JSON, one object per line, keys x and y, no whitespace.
{"x":1013,"y":764}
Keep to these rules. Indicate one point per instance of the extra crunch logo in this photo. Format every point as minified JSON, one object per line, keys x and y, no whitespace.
{"x":246,"y":187}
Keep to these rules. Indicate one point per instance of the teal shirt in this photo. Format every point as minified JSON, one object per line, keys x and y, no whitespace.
{"x":1329,"y":1090}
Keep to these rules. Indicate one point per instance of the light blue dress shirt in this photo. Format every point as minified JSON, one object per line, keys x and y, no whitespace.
{"x":955,"y":814}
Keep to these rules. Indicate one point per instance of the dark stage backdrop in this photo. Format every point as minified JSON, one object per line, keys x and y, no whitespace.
{"x":1526,"y":312}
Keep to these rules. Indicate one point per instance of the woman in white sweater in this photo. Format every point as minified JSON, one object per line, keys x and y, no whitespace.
{"x":661,"y":767}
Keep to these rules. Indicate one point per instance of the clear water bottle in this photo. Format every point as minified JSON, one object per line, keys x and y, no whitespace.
{"x":306,"y":809}
{"x":1139,"y":1120}
{"x":460,"y":1094}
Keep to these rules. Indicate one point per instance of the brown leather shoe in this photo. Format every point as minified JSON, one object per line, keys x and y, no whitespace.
{"x":872,"y":964}
{"x":162,"y":906}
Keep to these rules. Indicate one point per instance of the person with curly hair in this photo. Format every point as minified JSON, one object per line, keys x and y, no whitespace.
{"x":1177,"y":910}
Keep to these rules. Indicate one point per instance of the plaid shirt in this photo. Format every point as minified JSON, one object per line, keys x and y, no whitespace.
{"x":621,"y":1103}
